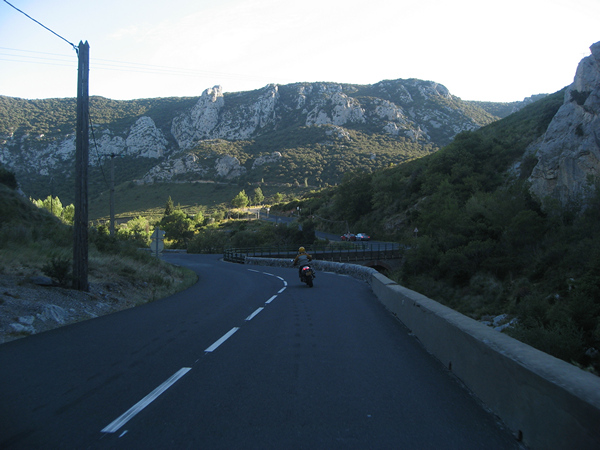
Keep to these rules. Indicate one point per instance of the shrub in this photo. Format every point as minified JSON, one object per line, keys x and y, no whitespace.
{"x":563,"y":341}
{"x":59,"y":269}
{"x":8,"y":178}
{"x":208,"y":241}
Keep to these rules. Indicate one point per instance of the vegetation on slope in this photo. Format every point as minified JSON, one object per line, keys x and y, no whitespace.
{"x":57,"y":116}
{"x":316,"y":155}
{"x":484,"y":245}
{"x":35,"y":242}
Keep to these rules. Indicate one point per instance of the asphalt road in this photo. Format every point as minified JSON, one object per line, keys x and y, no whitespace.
{"x":246,"y":358}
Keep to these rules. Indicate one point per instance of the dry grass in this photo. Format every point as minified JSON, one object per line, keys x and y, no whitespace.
{"x":30,"y":238}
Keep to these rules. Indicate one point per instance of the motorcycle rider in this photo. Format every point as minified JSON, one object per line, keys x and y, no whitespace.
{"x":302,"y":259}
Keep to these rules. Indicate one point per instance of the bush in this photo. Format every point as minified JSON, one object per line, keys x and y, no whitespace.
{"x":563,"y":341}
{"x":209,"y":240}
{"x":8,"y":178}
{"x":104,"y":242}
{"x":59,"y":269}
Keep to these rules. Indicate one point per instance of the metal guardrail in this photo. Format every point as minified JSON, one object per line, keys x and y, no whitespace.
{"x":339,"y":253}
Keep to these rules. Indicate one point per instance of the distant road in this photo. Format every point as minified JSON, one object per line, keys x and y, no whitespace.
{"x":319,"y":234}
{"x":246,"y":358}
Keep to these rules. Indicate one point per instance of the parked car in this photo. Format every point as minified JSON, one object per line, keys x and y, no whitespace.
{"x":363,"y":237}
{"x":348,"y":237}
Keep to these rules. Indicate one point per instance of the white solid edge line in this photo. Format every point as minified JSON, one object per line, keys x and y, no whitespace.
{"x":220,"y":341}
{"x":271,"y":299}
{"x":131,"y":412}
{"x":251,"y":316}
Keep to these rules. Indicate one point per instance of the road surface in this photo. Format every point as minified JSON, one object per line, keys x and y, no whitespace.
{"x":246,"y":358}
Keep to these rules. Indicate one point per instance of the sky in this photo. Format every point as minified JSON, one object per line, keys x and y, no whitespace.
{"x":485,"y":50}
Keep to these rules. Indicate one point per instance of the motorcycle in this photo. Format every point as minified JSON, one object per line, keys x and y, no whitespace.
{"x":307,"y":275}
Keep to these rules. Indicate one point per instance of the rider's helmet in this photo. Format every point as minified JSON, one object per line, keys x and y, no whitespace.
{"x":301,"y":250}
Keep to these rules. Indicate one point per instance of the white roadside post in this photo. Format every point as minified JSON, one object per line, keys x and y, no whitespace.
{"x":157,"y":245}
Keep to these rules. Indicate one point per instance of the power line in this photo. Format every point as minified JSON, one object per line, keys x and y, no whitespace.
{"x":91,"y":125}
{"x":123,"y":66}
{"x":44,"y":26}
{"x":33,"y":51}
{"x":35,"y":59}
{"x":36,"y":62}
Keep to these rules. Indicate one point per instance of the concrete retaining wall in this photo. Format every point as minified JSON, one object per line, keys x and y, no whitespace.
{"x":546,"y":402}
{"x":354,"y":270}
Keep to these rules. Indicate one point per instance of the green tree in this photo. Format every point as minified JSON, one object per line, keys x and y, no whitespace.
{"x":54,"y":205}
{"x":51,"y":204}
{"x":199,"y":219}
{"x":169,"y":207}
{"x":140,"y":230}
{"x":241,"y":200}
{"x":68,"y":214}
{"x":178,"y":227}
{"x":258,"y":196}
{"x":277,"y":197}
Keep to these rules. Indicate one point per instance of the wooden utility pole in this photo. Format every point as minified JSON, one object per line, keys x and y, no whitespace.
{"x":112,"y":194}
{"x":80,"y":224}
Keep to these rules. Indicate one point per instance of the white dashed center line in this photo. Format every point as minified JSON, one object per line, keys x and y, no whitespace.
{"x":251,"y":316}
{"x":226,"y":336}
{"x":131,"y":412}
{"x":116,"y":424}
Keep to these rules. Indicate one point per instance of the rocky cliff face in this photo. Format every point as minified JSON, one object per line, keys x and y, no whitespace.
{"x":209,"y":119}
{"x":389,"y":106}
{"x":569,"y":153}
{"x":417,"y":111}
{"x":33,"y":154}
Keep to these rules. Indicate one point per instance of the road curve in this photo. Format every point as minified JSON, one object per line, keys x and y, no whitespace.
{"x":246,"y":358}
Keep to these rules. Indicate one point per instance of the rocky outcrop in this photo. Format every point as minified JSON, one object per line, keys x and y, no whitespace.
{"x":143,"y":140}
{"x":209,"y":120}
{"x":274,"y":157}
{"x":186,"y":164}
{"x":420,"y":111}
{"x":569,"y":153}
{"x":334,"y":107}
{"x":200,"y":122}
{"x":229,"y":167}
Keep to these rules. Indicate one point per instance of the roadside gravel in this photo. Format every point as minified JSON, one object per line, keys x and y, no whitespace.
{"x":27,"y":308}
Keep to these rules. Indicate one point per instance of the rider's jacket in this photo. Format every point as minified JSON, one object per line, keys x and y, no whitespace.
{"x":302,"y":259}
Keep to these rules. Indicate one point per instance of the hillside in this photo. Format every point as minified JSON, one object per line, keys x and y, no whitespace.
{"x":35,"y":260}
{"x":302,"y":133}
{"x":503,"y":110}
{"x":485,"y":245}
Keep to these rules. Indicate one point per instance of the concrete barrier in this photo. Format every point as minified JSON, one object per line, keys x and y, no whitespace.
{"x":546,"y":402}
{"x":354,"y":270}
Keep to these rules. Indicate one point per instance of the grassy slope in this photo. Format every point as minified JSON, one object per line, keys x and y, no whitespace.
{"x":149,"y":200}
{"x":30,"y":238}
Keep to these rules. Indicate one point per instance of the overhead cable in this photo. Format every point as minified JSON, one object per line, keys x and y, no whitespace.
{"x":44,"y":26}
{"x":29,"y":56}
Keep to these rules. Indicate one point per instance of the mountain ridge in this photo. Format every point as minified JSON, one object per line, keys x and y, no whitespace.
{"x":301,"y":132}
